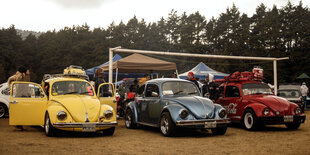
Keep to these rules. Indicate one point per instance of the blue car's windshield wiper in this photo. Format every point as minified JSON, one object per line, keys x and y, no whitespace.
{"x":178,"y":92}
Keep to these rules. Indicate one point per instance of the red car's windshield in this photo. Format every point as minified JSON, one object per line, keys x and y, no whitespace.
{"x":256,"y":88}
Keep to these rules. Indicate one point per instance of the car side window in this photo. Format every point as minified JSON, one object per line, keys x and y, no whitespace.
{"x":25,"y":90}
{"x":152,"y":90}
{"x":106,"y":90}
{"x":140,"y":91}
{"x":232,"y":91}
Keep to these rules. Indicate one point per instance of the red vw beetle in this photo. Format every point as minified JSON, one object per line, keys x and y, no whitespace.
{"x":250,"y":101}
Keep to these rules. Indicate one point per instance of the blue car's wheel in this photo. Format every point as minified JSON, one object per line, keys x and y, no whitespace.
{"x":129,"y":119}
{"x":167,"y":126}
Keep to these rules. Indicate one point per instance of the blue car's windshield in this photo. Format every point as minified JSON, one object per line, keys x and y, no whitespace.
{"x":180,"y":88}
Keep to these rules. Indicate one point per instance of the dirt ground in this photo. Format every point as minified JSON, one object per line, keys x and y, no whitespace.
{"x":274,"y":139}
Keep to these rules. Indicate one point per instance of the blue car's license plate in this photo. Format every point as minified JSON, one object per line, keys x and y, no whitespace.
{"x":209,"y":125}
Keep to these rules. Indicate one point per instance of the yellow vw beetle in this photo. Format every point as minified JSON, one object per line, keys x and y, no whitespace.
{"x":64,"y":103}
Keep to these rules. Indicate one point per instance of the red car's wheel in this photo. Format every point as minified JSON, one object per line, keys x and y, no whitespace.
{"x":250,"y":121}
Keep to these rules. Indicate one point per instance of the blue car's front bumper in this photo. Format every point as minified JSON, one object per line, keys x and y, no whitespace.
{"x":204,"y":123}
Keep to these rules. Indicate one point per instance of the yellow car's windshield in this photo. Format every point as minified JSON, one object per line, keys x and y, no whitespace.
{"x":72,"y":87}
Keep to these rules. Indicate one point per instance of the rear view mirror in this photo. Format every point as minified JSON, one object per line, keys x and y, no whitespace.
{"x":154,"y":94}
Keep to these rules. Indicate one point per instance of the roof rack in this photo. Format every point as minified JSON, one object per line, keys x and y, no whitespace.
{"x":243,"y":76}
{"x":49,"y":76}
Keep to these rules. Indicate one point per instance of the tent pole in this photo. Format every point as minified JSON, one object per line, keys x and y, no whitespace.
{"x":176,"y":71}
{"x":116,"y":79}
{"x":275,"y":80}
{"x":110,"y":65}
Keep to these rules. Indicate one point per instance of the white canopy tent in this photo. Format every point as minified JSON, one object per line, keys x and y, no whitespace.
{"x":121,"y":50}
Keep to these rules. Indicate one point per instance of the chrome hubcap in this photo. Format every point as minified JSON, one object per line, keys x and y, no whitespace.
{"x":164,"y":125}
{"x":2,"y":111}
{"x":47,"y":125}
{"x":128,"y":120}
{"x":248,"y":120}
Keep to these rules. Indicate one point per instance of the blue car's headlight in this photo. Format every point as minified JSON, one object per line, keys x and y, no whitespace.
{"x":222,"y":113}
{"x":184,"y":113}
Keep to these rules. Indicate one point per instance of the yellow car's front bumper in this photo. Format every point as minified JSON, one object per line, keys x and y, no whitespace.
{"x":85,"y":126}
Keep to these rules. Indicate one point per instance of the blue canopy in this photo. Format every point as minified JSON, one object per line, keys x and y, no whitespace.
{"x":91,"y":71}
{"x":202,"y":70}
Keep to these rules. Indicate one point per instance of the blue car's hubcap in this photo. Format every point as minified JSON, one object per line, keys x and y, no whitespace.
{"x":128,"y":120}
{"x":164,"y":124}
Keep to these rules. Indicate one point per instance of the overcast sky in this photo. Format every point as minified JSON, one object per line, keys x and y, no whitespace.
{"x":43,"y":15}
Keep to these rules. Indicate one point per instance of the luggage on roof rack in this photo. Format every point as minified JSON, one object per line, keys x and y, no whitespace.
{"x":49,"y":76}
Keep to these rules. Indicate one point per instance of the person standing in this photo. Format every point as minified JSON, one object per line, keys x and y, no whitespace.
{"x":205,"y":87}
{"x":18,"y":76}
{"x":144,"y":79}
{"x":304,"y":91}
{"x":27,"y":75}
{"x":190,"y":77}
{"x":99,"y":78}
{"x":122,"y":94}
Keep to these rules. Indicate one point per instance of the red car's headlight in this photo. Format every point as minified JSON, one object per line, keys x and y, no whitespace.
{"x":297,"y":111}
{"x":266,"y":111}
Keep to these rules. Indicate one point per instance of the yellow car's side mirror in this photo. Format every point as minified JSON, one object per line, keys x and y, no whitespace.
{"x":54,"y":93}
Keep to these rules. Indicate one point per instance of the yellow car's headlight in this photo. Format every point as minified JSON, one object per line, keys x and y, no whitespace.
{"x":108,"y":114}
{"x":62,"y":115}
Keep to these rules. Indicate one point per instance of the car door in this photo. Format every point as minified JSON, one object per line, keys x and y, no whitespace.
{"x":106,"y":95}
{"x":152,"y":98}
{"x":232,"y":101}
{"x":28,"y":104}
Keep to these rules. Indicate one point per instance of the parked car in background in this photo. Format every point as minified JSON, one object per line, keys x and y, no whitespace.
{"x":251,"y":102}
{"x":291,"y":93}
{"x":4,"y":99}
{"x":168,"y":103}
{"x":63,"y":103}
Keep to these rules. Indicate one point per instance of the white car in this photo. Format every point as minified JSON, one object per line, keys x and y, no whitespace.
{"x":4,"y":99}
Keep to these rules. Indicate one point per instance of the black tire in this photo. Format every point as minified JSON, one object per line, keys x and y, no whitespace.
{"x":219,"y":130}
{"x":292,"y":126}
{"x":50,"y":131}
{"x":3,"y":110}
{"x":108,"y":132}
{"x":167,"y":126}
{"x":129,"y":119}
{"x":250,"y":121}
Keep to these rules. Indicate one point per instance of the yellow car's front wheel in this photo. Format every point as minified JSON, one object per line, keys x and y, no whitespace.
{"x":48,"y":128}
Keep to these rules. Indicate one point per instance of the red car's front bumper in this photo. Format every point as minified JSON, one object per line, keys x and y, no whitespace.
{"x":269,"y":120}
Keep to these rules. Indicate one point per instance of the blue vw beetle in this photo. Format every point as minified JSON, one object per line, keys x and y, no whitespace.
{"x":168,"y":103}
